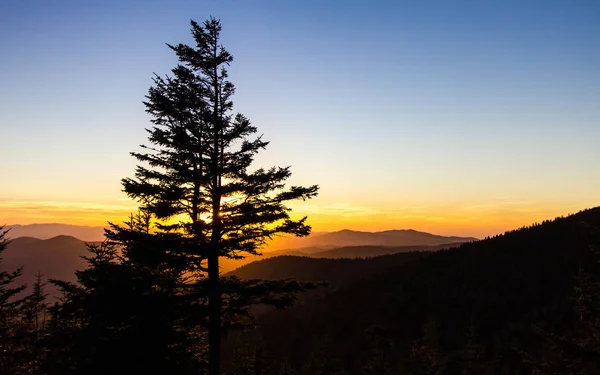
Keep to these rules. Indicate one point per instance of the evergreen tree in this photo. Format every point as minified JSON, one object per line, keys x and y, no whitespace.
{"x":33,"y":318}
{"x":11,"y":325}
{"x":126,"y":315}
{"x":196,"y":181}
{"x":36,"y":307}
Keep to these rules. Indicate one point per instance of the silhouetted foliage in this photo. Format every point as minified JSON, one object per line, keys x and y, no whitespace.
{"x":13,"y":329}
{"x":127,"y":313}
{"x":34,"y":313}
{"x":152,"y":299}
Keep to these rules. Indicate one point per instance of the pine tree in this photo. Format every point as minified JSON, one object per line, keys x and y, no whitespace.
{"x":37,"y":306}
{"x":126,"y":314}
{"x":196,"y":181}
{"x":11,"y":329}
{"x":33,"y":319}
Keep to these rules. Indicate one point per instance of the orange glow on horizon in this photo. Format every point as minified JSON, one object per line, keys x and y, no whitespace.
{"x":458,"y":220}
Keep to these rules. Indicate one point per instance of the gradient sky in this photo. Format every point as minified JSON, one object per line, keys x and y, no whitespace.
{"x":455,"y":117}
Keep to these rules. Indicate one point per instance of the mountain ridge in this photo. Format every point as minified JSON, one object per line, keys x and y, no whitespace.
{"x":44,"y":231}
{"x":59,"y":256}
{"x":390,"y":238}
{"x":326,"y":240}
{"x":55,"y":258}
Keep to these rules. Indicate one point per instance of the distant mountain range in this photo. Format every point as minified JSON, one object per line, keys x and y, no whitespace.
{"x":389,"y":238}
{"x":346,"y":252}
{"x":56,"y":258}
{"x":46,"y":231}
{"x":60,"y":256}
{"x":323,"y":240}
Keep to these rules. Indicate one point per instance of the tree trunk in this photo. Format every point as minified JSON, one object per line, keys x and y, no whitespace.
{"x":214,"y":294}
{"x":214,"y":322}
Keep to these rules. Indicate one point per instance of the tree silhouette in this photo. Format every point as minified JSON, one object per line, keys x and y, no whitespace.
{"x":33,"y":318}
{"x":126,"y":314}
{"x":195,"y":180}
{"x":12,"y":330}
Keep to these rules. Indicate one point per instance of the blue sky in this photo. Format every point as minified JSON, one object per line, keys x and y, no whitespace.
{"x":432,"y":114}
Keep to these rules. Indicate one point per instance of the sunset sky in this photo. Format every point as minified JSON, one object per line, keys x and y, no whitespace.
{"x":454,"y":117}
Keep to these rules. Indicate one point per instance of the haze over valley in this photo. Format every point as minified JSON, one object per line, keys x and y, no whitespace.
{"x":53,"y":249}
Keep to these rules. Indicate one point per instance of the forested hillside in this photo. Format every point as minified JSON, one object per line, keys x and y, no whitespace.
{"x":517,"y":303}
{"x":333,"y":271}
{"x":254,"y":265}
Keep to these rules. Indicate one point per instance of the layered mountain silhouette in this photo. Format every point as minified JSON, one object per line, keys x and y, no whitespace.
{"x":362,"y":251}
{"x":389,"y":238}
{"x":352,"y":244}
{"x":319,"y":240}
{"x":56,"y":258}
{"x":335,"y":272}
{"x":56,"y":249}
{"x":46,"y":231}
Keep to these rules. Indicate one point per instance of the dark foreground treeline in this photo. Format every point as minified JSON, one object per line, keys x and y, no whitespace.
{"x":526,"y":302}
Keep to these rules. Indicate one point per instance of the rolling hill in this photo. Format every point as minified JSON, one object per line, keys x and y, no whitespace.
{"x":390,"y":238}
{"x":56,"y":258}
{"x":367,"y":251}
{"x":47,"y":231}
{"x":334,"y":271}
{"x":364,"y":251}
{"x":319,"y":241}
